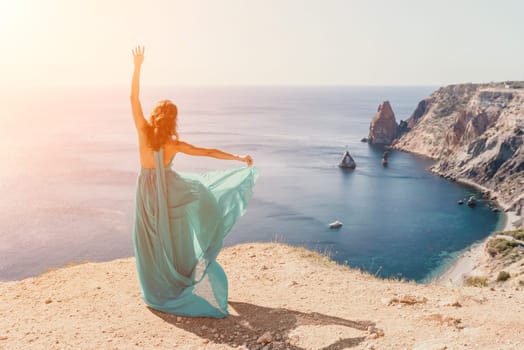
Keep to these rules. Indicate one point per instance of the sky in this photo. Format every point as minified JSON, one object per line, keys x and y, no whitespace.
{"x":261,"y":42}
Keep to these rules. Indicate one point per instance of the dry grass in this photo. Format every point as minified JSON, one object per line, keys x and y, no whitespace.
{"x":517,"y":234}
{"x":321,"y":258}
{"x":500,"y":246}
{"x":476,"y":281}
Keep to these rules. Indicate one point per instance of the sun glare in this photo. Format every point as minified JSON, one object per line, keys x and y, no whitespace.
{"x":9,"y":10}
{"x":15,"y":18}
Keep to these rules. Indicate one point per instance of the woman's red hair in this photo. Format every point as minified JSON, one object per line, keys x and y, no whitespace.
{"x":162,"y":124}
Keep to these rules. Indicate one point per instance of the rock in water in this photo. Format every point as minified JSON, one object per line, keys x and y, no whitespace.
{"x":475,"y":132}
{"x":385,"y":157}
{"x":383,"y":127}
{"x":347,"y":161}
{"x":472,"y":202}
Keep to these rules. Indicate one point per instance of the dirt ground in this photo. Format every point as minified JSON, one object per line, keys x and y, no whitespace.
{"x":281,"y":297}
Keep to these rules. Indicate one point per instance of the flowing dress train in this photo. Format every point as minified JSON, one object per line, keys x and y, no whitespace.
{"x":180,"y":222}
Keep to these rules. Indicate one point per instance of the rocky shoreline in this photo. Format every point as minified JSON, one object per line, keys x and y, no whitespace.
{"x":284,"y":297}
{"x":475,"y":133}
{"x":476,"y":261}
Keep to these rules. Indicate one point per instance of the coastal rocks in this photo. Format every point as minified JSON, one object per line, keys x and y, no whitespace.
{"x":506,"y":151}
{"x":385,"y":157}
{"x":347,"y":162}
{"x":433,"y":119}
{"x":468,"y":126}
{"x":518,"y":207}
{"x":478,"y":146}
{"x":383,"y":127}
{"x":403,"y":128}
{"x":476,"y":134}
{"x":417,"y":113}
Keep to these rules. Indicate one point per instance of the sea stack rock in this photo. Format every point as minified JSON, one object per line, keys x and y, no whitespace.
{"x":347,"y":161}
{"x":383,"y":127}
{"x":385,"y":157}
{"x":475,"y":132}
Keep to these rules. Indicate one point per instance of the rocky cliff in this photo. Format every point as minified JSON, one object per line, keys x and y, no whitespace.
{"x":383,"y":127}
{"x":475,"y":132}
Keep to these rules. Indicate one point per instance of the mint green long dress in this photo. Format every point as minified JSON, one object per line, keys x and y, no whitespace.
{"x":180,"y":222}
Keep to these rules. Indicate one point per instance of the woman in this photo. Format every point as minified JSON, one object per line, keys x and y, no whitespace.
{"x":182,"y":219}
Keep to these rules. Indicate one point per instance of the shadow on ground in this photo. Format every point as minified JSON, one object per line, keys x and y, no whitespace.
{"x":248,"y":322}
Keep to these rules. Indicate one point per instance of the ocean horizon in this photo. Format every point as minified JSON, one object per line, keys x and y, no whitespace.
{"x":69,"y":168}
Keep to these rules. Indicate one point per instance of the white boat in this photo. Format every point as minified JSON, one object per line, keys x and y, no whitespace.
{"x":336,"y":224}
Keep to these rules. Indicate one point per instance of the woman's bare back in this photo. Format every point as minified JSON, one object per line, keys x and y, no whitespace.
{"x":147,"y":155}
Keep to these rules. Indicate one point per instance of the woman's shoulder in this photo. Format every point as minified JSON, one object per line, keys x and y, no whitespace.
{"x":175,"y":144}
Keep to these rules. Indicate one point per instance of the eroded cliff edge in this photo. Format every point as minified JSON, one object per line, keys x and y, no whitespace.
{"x":476,"y":133}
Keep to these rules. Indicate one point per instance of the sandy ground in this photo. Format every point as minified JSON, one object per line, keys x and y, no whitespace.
{"x":303,"y":300}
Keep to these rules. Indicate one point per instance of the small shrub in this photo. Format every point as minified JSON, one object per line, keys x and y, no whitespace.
{"x":476,"y":281}
{"x":517,"y":234}
{"x":503,"y":276}
{"x":521,"y":282}
{"x":500,"y":246}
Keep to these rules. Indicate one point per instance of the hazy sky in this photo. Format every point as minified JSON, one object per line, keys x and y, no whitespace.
{"x":88,"y":42}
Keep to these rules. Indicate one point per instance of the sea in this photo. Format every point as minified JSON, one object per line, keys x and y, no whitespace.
{"x":69,"y":164}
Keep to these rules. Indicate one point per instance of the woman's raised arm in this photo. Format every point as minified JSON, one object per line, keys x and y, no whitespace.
{"x":136,"y":106}
{"x":211,"y":152}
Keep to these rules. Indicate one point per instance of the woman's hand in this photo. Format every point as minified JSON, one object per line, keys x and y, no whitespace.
{"x":138,"y":55}
{"x":247,"y":159}
{"x":136,"y":106}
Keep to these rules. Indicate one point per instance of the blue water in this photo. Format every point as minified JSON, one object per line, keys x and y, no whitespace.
{"x":69,"y":186}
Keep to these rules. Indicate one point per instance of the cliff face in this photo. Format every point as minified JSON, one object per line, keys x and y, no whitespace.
{"x":383,"y":127}
{"x":476,"y":133}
